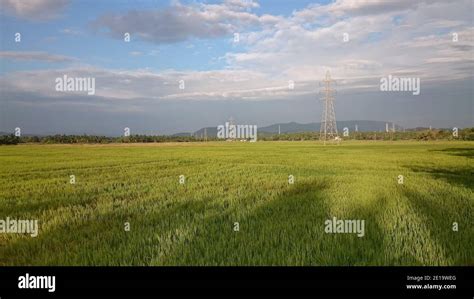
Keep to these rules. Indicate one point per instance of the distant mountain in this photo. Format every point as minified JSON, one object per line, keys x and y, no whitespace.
{"x":211,"y":132}
{"x":294,"y":127}
{"x":291,"y":127}
{"x":362,"y":126}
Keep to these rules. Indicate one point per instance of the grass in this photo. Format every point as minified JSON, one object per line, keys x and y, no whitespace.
{"x":280,"y":223}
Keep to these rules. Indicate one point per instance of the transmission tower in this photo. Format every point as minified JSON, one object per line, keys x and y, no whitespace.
{"x":328,"y":121}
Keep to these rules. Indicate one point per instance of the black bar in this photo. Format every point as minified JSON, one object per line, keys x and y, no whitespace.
{"x":218,"y":282}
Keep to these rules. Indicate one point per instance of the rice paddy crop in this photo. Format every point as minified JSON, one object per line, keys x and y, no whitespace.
{"x":128,"y":206}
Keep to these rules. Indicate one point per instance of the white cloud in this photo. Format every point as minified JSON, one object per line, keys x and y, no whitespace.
{"x":34,"y":9}
{"x":383,"y":39}
{"x":38,"y":56}
{"x":181,"y":22}
{"x":136,"y":53}
{"x":145,"y":84}
{"x":71,"y":31}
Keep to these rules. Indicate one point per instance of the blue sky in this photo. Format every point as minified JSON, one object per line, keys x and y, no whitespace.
{"x":280,"y":40}
{"x":92,"y":48}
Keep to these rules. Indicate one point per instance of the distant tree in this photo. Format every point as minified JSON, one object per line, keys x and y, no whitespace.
{"x":9,"y":139}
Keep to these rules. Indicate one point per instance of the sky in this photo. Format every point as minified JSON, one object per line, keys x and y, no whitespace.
{"x":137,"y":82}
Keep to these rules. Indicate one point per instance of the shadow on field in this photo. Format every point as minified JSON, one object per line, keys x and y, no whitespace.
{"x":100,"y":239}
{"x":439,"y":217}
{"x":266,"y":230}
{"x":462,"y":152}
{"x":288,"y":230}
{"x":455,"y":176}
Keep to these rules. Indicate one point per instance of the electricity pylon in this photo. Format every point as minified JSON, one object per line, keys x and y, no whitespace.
{"x":328,"y":121}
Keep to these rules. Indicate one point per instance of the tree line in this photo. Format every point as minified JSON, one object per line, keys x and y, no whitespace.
{"x":92,"y":139}
{"x":434,"y":134}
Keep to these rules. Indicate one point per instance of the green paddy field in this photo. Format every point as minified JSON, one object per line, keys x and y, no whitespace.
{"x":137,"y":186}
